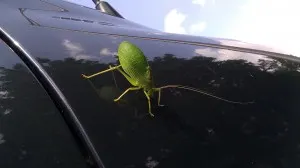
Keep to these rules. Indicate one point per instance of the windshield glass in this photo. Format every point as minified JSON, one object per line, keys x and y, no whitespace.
{"x":191,"y":129}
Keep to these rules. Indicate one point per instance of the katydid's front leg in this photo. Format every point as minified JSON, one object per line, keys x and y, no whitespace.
{"x":101,"y":72}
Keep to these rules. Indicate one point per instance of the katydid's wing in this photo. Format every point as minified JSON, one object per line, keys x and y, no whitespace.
{"x":132,"y":60}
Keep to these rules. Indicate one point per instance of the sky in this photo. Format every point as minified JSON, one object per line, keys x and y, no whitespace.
{"x":274,"y":23}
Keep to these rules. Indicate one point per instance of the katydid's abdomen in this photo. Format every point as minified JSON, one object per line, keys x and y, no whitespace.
{"x":133,"y":61}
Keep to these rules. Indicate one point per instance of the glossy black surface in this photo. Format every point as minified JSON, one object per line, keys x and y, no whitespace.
{"x":192,"y":130}
{"x":57,"y":97}
{"x":32,"y":132}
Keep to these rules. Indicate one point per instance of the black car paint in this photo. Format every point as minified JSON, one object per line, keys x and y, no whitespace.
{"x":191,"y":130}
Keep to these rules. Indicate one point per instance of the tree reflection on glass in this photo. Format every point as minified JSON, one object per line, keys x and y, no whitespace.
{"x":192,"y":130}
{"x":32,"y":133}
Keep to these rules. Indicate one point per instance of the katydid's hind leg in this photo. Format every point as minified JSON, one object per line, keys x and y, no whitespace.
{"x":159,"y":96}
{"x":101,"y":72}
{"x":127,"y":90}
{"x":149,"y":104}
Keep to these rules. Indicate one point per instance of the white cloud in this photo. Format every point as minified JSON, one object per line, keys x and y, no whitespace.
{"x":173,"y":24}
{"x":222,"y":55}
{"x":276,"y":27}
{"x":199,"y":2}
{"x":106,"y":52}
{"x":75,"y":50}
{"x":173,"y":21}
{"x":202,"y":2}
{"x":197,"y":28}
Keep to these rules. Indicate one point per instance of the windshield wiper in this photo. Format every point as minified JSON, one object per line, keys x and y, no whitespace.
{"x":105,"y":7}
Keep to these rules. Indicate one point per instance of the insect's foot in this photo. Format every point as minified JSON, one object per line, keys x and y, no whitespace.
{"x":152,"y":115}
{"x":115,"y":100}
{"x":84,"y":76}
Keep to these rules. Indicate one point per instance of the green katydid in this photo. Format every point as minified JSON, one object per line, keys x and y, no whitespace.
{"x":135,"y":68}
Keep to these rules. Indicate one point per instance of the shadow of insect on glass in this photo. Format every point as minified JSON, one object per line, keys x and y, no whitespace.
{"x":135,"y":68}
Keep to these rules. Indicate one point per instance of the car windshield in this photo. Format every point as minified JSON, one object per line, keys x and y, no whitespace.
{"x":191,"y":129}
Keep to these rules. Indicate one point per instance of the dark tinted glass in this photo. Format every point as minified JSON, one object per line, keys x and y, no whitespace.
{"x":32,"y":131}
{"x":191,"y":130}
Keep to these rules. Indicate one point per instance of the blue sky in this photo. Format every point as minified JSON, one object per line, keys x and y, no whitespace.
{"x":274,"y":23}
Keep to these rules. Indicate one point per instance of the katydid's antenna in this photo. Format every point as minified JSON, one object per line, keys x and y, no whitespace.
{"x":105,"y":7}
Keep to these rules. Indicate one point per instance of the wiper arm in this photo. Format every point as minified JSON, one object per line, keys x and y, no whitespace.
{"x":105,"y":7}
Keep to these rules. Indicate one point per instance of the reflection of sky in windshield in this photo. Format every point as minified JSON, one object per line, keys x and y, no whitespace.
{"x":1,"y":139}
{"x":7,"y":111}
{"x":6,"y":62}
{"x":76,"y":51}
{"x":150,"y":163}
{"x":103,"y":48}
{"x":152,"y":49}
{"x":223,"y":55}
